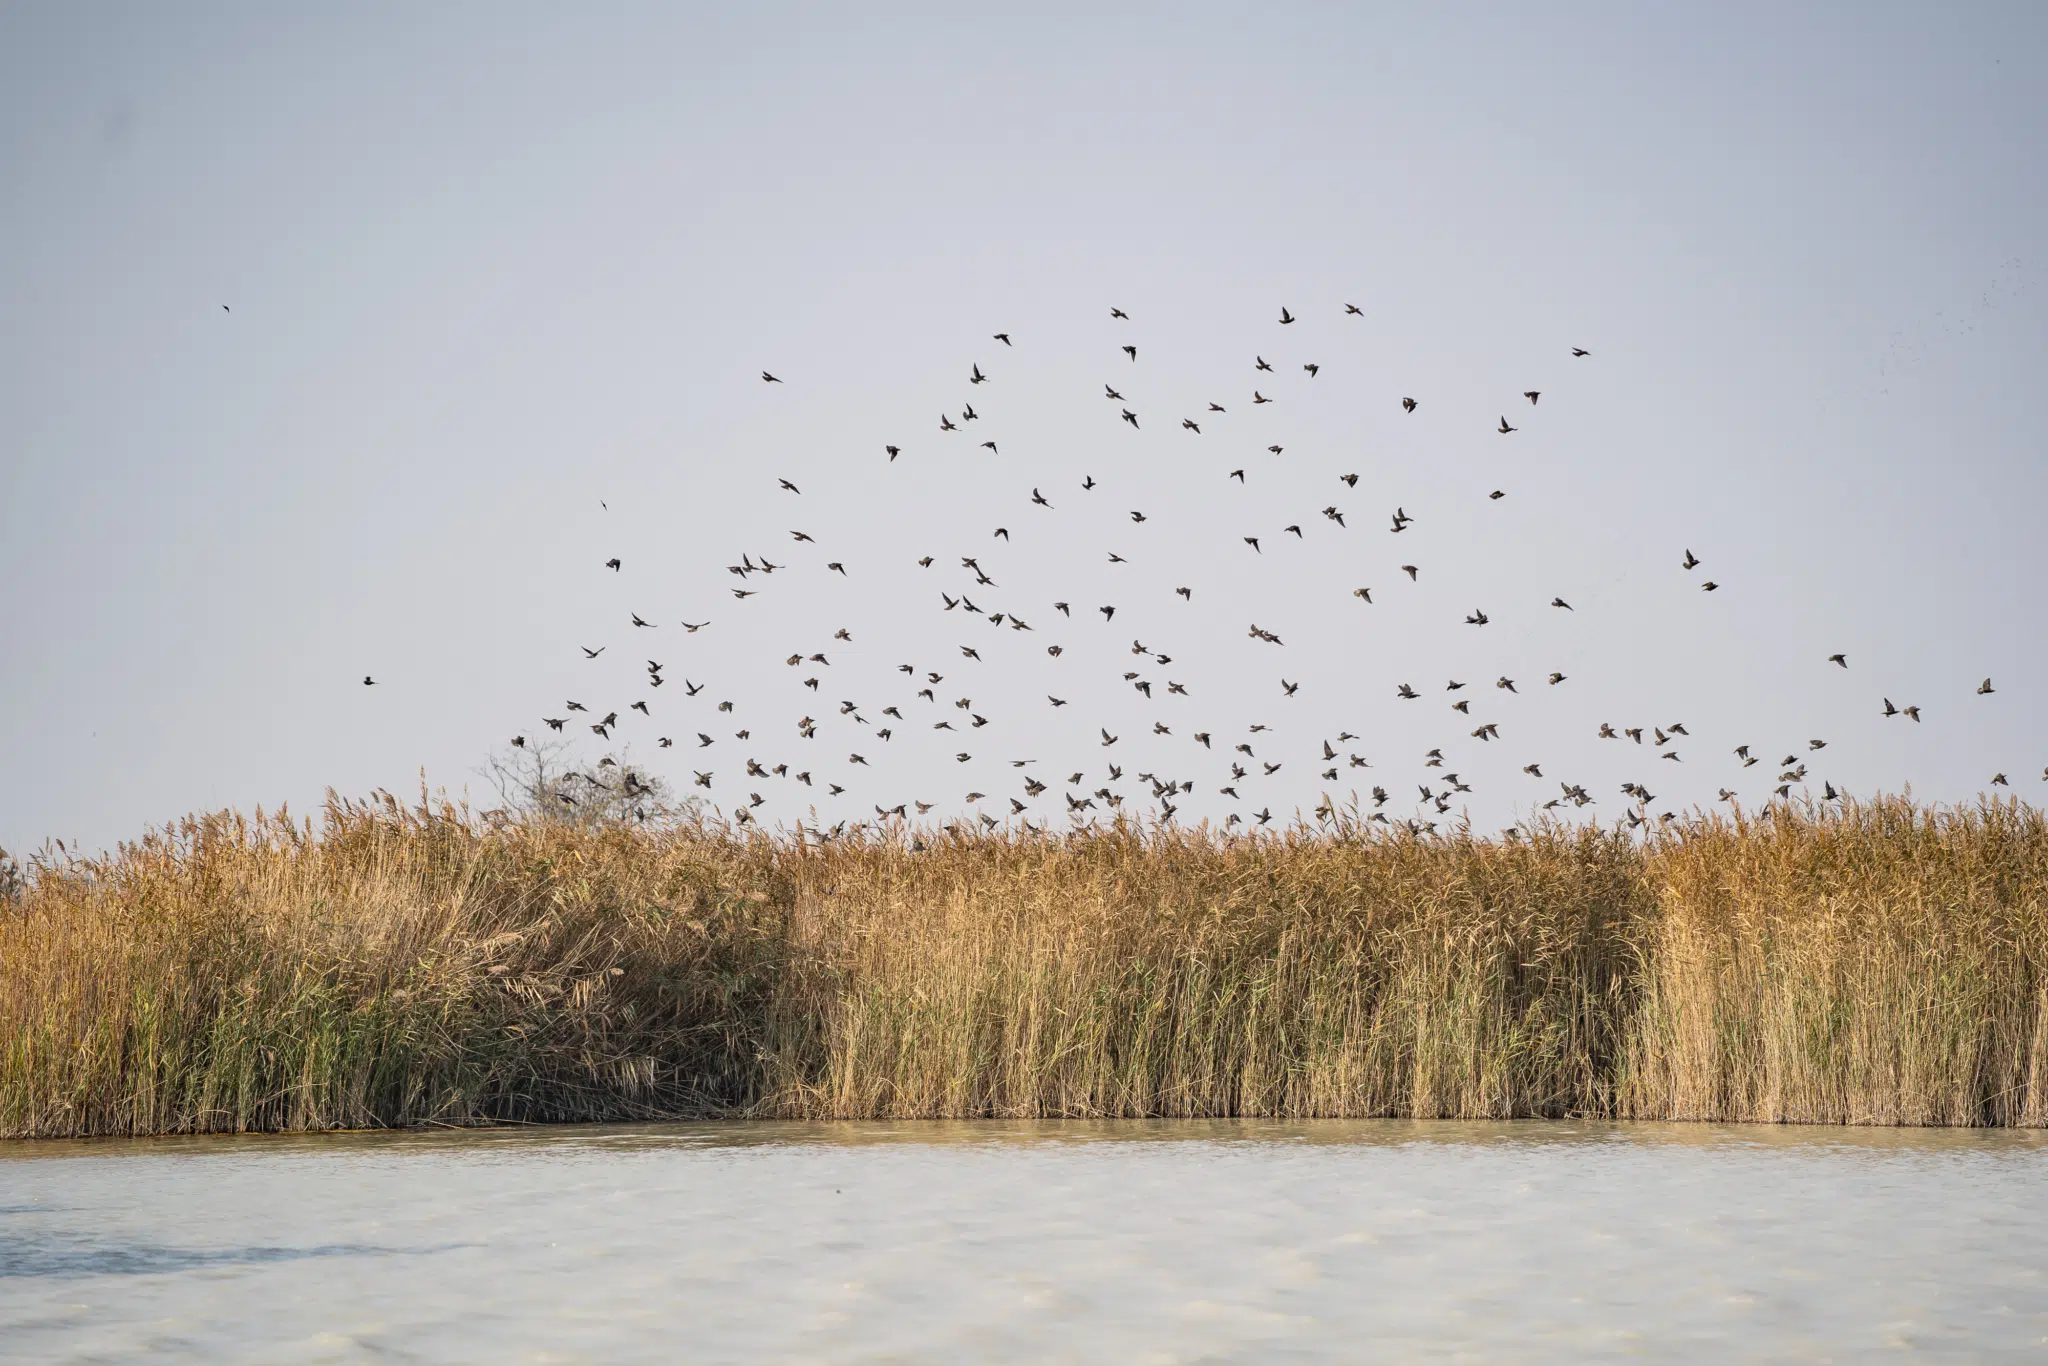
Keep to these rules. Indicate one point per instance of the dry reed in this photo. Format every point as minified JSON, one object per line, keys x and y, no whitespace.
{"x":1879,"y":964}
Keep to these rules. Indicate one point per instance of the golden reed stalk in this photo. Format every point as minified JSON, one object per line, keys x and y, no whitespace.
{"x":1880,"y":964}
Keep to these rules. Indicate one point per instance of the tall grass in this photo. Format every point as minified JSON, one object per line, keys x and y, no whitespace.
{"x":1880,"y":964}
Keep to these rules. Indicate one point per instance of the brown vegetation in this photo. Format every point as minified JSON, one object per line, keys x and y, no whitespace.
{"x":1883,"y":964}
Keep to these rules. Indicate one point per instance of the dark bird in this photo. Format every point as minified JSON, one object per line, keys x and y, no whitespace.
{"x":1691,"y":561}
{"x":1238,"y":475}
{"x":1312,"y":368}
{"x":1285,"y":316}
{"x":1130,"y":417}
{"x":1289,"y":688}
{"x":1409,"y":570}
{"x":1407,"y":405}
{"x":768,"y":378}
{"x":791,"y":487}
{"x":693,"y":626}
{"x":555,"y":722}
{"x":1580,"y":351}
{"x":945,"y":425}
{"x":1985,"y":688}
{"x":893,"y":451}
{"x":1190,"y":425}
{"x":1560,"y":602}
{"x":612,"y":564}
{"x":1350,"y":480}
{"x":977,"y":377}
{"x":1186,"y":593}
{"x":1505,"y":428}
{"x":1258,"y":397}
{"x":1253,"y":542}
{"x":1496,"y":495}
{"x":1131,"y":351}
{"x":638,"y":622}
{"x":1889,"y":709}
{"x":1004,"y":338}
{"x":1365,"y":593}
{"x":1119,"y":313}
{"x":369,"y":682}
{"x":1842,"y":660}
{"x":1532,"y":395}
{"x":1039,"y":499}
{"x":990,"y":447}
{"x":1353,"y":308}
{"x":589,"y":653}
{"x":1709,"y":586}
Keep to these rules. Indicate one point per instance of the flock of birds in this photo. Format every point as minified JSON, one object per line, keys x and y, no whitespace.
{"x":819,"y":752}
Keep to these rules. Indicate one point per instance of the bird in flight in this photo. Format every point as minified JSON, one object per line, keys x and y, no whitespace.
{"x":1285,"y":316}
{"x":1505,"y":428}
{"x":768,"y":378}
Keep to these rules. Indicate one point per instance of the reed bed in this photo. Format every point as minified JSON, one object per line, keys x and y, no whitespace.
{"x":1881,"y":963}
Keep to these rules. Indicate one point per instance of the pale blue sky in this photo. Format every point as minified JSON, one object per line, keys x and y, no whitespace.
{"x":488,"y":266}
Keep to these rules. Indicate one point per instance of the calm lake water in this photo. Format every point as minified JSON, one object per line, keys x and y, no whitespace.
{"x":1122,"y":1242}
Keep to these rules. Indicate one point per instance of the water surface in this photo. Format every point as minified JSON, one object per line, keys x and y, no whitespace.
{"x":958,"y":1242}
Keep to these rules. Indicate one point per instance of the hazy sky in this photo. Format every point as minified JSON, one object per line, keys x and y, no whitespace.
{"x":487,"y":269}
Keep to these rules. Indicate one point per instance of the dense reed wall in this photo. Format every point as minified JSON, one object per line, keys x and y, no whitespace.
{"x":1881,"y":964}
